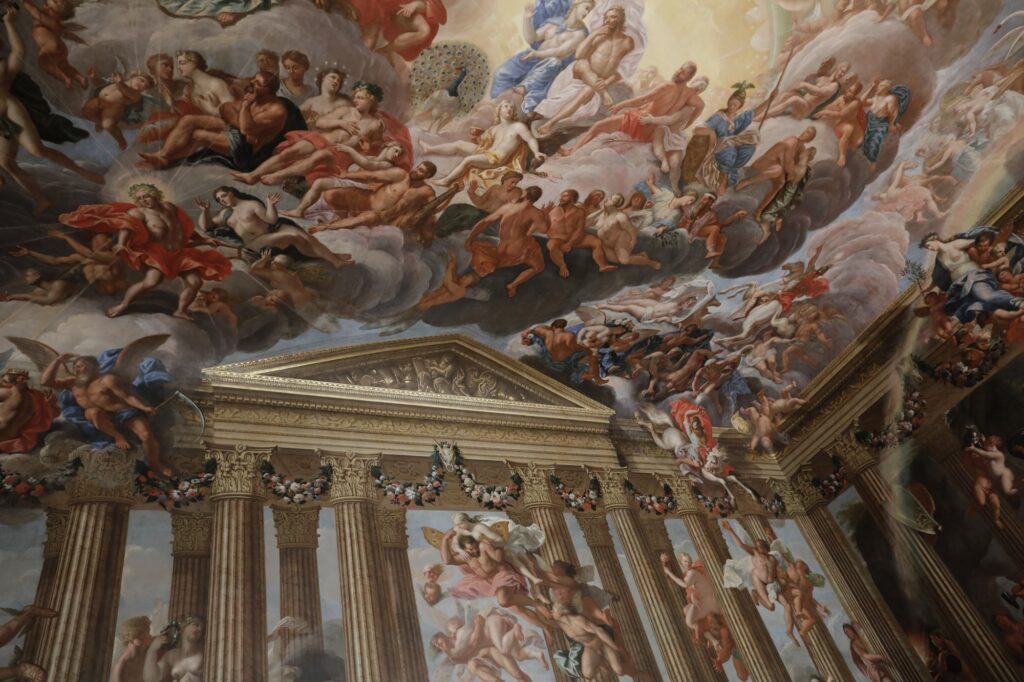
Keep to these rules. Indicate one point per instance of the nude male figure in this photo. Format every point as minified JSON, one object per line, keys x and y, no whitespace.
{"x":259,"y":117}
{"x":844,"y":116}
{"x":498,"y":145}
{"x":597,"y":64}
{"x":495,"y":196}
{"x":11,"y":629}
{"x":568,"y":231}
{"x":765,"y":575}
{"x":350,"y":123}
{"x":400,"y":192}
{"x":17,"y":129}
{"x":517,"y":223}
{"x":671,"y":105}
{"x":778,"y":165}
{"x":601,"y":654}
{"x":385,"y":159}
{"x":562,"y":345}
{"x":619,"y":236}
{"x":46,"y":291}
{"x":102,"y":269}
{"x":702,"y":222}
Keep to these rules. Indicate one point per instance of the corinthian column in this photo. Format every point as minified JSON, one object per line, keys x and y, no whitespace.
{"x":297,"y":538}
{"x":599,"y":540}
{"x":543,"y":512}
{"x":845,"y":569}
{"x":88,"y":582}
{"x":364,"y":603}
{"x":236,"y":649}
{"x":749,"y":633}
{"x":56,"y":531}
{"x":820,"y":645}
{"x":409,"y":663}
{"x":682,"y":660}
{"x":190,"y":571}
{"x":977,"y":644}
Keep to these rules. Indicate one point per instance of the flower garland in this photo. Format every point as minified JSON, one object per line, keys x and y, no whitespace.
{"x":968,"y":370}
{"x":654,"y":504}
{"x":295,"y":490}
{"x":834,"y":483}
{"x":909,"y":420}
{"x":15,"y":488}
{"x":579,"y":502}
{"x":174,"y":492}
{"x":433,"y":484}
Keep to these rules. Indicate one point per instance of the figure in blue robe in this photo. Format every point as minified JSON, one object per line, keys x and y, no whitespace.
{"x":535,"y":76}
{"x":877,"y":128}
{"x":978,"y":291}
{"x":213,"y":9}
{"x":731,"y":158}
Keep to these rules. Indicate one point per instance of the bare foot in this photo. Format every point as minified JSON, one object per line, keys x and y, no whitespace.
{"x":122,"y":443}
{"x":317,"y":229}
{"x":30,"y":672}
{"x":608,"y":268}
{"x":544,"y":129}
{"x":116,"y":310}
{"x":563,"y":273}
{"x":511,"y":289}
{"x":226,"y":19}
{"x":424,"y":147}
{"x":270,"y":179}
{"x":544,"y":662}
{"x":665,"y":168}
{"x":245,"y":178}
{"x":183,"y":315}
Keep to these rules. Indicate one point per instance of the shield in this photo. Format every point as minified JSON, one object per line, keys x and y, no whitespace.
{"x":696,"y":152}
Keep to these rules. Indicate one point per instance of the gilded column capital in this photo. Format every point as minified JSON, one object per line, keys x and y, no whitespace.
{"x":536,"y":484}
{"x":191,"y":533}
{"x":747,"y":505}
{"x":350,"y":477}
{"x":391,"y":528}
{"x":613,"y":488}
{"x":238,"y":471}
{"x":595,"y":530}
{"x":857,"y":457}
{"x":106,"y":476}
{"x":520,"y":516}
{"x":799,"y":492}
{"x":297,"y":527}
{"x":56,"y":531}
{"x":682,"y":492}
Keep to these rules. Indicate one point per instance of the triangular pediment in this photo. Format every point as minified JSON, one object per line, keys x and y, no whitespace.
{"x":450,"y":367}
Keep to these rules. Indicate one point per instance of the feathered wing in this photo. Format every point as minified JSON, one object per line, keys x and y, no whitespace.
{"x":69,"y":31}
{"x":433,"y":536}
{"x":39,"y":353}
{"x":591,"y":315}
{"x":132,"y":354}
{"x":502,"y":529}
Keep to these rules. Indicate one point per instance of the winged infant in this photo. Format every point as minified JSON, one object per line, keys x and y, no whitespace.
{"x":101,"y":394}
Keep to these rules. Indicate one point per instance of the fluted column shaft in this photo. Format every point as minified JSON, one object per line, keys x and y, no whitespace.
{"x":410,"y":662}
{"x":236,"y":648}
{"x":820,"y":646}
{"x":602,"y":549}
{"x":190,"y":569}
{"x":682,"y":660}
{"x":748,"y":631}
{"x":946,"y":449}
{"x":656,"y":533}
{"x":557,"y":546}
{"x":297,"y":540}
{"x":845,"y":569}
{"x":56,"y":532}
{"x":88,"y":582}
{"x":977,"y":644}
{"x":368,"y":638}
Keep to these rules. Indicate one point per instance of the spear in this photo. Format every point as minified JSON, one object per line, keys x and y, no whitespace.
{"x":775,"y":91}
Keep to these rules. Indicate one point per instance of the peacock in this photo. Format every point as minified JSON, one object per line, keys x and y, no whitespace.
{"x":443,"y":105}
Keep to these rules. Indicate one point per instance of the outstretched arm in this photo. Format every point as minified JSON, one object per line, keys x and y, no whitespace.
{"x":482,"y":225}
{"x":447,"y":556}
{"x":736,"y":538}
{"x":49,"y":376}
{"x":526,"y":136}
{"x":16,"y":58}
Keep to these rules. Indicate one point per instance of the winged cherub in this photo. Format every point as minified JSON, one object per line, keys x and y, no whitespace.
{"x":99,"y":390}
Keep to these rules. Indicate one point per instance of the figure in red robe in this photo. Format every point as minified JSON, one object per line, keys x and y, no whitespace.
{"x":394,"y":27}
{"x":158,"y":238}
{"x":810,"y":285}
{"x":25,"y":413}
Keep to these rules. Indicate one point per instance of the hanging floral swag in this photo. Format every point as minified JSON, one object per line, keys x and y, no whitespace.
{"x":295,"y":490}
{"x":15,"y":488}
{"x":580,"y":502}
{"x":447,"y":457}
{"x":654,"y":504}
{"x":174,"y":492}
{"x":830,"y":486}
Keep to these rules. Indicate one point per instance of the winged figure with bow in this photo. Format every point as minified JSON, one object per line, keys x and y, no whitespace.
{"x":109,"y":397}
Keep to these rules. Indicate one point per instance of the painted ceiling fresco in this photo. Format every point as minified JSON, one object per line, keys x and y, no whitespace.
{"x":683,"y":209}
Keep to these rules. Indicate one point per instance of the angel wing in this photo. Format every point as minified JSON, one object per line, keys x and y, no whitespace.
{"x":132,"y":354}
{"x":433,"y":536}
{"x":502,"y":529}
{"x":780,"y":548}
{"x":68,"y":31}
{"x":591,"y":315}
{"x":39,"y":353}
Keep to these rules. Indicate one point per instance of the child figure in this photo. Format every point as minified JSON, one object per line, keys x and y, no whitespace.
{"x":135,"y":635}
{"x":106,"y":109}
{"x":432,"y":591}
{"x":52,"y":27}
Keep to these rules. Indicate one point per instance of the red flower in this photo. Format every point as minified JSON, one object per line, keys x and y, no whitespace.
{"x":38,"y":490}
{"x":22,"y":488}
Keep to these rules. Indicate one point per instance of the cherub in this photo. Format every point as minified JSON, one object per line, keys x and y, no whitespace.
{"x":102,"y":268}
{"x":103,"y":391}
{"x":992,"y":475}
{"x":107,"y":107}
{"x":801,"y":591}
{"x":431,"y":589}
{"x":934,"y":309}
{"x":52,"y":26}
{"x":764,"y":574}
